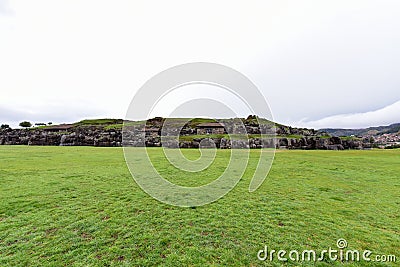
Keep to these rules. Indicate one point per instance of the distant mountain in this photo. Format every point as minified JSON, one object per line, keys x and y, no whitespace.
{"x":393,"y":128}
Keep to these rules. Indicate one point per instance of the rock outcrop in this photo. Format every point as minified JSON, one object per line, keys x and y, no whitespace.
{"x":148,"y":133}
{"x":79,"y":136}
{"x":97,"y":136}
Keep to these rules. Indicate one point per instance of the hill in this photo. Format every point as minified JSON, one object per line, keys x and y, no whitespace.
{"x":393,"y":128}
{"x":109,"y":132}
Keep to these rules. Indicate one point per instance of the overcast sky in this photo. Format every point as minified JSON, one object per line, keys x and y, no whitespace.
{"x":318,"y":63}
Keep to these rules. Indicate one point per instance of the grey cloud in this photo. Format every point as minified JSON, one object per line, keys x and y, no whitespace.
{"x":203,"y":108}
{"x":5,"y":8}
{"x":348,"y":64}
{"x":53,"y":113}
{"x":384,"y":116}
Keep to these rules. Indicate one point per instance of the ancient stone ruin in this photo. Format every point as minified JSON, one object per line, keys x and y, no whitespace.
{"x":190,"y":136}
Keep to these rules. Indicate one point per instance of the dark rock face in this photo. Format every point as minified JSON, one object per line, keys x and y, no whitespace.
{"x":331,"y":143}
{"x":97,"y":136}
{"x":87,"y":136}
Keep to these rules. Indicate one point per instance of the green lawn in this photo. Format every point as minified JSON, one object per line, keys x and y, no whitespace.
{"x":79,"y":206}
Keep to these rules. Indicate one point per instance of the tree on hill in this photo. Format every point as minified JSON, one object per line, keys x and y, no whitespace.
{"x":49,"y":123}
{"x":25,"y":124}
{"x":4,"y":126}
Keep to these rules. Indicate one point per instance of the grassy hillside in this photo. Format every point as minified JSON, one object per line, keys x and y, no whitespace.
{"x":99,"y":122}
{"x":158,"y":121}
{"x":79,"y":206}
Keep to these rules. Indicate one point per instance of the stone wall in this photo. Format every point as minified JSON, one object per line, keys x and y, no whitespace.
{"x":79,"y":136}
{"x":97,"y":136}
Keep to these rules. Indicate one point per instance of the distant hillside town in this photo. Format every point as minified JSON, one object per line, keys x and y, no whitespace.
{"x":381,"y":136}
{"x":389,"y":140}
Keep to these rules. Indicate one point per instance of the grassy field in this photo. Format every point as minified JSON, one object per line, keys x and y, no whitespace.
{"x":79,"y":206}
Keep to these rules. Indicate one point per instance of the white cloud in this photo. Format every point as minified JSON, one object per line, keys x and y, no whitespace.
{"x":309,"y":58}
{"x":5,"y":8}
{"x":49,"y":112}
{"x":384,"y":116}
